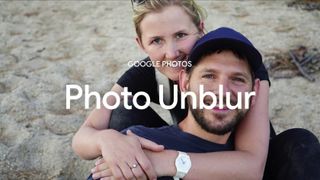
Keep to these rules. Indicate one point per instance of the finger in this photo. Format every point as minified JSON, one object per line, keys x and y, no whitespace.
{"x":146,"y":165}
{"x":126,"y":170}
{"x":99,"y":161}
{"x":138,"y":173}
{"x":116,"y":172}
{"x":102,"y":174}
{"x":147,"y":144}
{"x":100,"y":167}
{"x":107,"y":178}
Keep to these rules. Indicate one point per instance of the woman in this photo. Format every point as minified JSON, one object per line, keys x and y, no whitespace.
{"x":166,"y":31}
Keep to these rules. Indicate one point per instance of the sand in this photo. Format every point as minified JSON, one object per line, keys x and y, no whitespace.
{"x":46,"y":45}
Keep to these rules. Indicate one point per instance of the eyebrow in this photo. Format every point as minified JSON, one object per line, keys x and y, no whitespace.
{"x":206,"y":70}
{"x":210,"y":70}
{"x":245,"y":75}
{"x":154,"y":37}
{"x":179,"y":31}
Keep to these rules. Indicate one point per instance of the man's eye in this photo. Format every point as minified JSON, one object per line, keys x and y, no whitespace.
{"x":181,"y":35}
{"x":208,"y":76}
{"x":237,"y":79}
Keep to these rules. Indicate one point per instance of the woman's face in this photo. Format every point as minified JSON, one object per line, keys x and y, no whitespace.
{"x":167,"y":37}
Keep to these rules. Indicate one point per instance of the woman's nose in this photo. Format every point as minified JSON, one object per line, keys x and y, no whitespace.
{"x":172,"y":51}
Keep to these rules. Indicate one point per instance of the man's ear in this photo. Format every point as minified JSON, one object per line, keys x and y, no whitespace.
{"x":183,"y":81}
{"x":256,"y":86}
{"x":139,"y":42}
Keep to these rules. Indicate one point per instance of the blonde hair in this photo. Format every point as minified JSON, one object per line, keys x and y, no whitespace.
{"x":196,"y":12}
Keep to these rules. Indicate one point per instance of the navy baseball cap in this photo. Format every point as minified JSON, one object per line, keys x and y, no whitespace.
{"x":225,"y":38}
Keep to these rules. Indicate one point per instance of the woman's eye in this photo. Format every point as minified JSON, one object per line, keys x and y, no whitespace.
{"x":156,"y":41}
{"x":181,"y":35}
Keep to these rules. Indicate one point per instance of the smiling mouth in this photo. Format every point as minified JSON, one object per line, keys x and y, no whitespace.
{"x":217,"y":108}
{"x":180,"y":58}
{"x":184,"y":58}
{"x":224,"y":108}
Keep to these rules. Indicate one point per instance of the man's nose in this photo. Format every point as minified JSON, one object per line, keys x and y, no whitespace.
{"x":225,"y":85}
{"x":172,"y":51}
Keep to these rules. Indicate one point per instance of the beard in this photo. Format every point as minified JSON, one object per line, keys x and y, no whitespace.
{"x":209,"y":126}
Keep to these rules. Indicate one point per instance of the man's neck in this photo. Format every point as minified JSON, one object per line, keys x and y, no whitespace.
{"x":189,"y":125}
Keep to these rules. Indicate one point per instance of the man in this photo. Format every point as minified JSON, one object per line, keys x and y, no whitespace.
{"x":222,"y":57}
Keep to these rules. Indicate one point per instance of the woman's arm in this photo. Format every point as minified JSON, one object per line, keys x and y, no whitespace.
{"x":85,"y":141}
{"x":246,"y":162}
{"x":251,"y":146}
{"x":94,"y":139}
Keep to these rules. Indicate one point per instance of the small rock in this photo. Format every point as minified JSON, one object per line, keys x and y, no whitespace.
{"x":2,"y":88}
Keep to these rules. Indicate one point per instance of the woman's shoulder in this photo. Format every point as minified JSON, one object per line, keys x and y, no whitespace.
{"x":142,"y":66}
{"x":139,"y":78}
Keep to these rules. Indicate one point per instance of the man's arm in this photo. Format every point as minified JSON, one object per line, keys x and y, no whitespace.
{"x":216,"y":165}
{"x":246,"y":162}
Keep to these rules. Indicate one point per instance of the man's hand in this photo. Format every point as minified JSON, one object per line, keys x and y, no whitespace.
{"x":101,"y":170}
{"x":123,"y":157}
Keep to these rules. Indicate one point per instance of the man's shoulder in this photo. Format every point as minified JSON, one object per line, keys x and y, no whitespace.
{"x":173,"y":138}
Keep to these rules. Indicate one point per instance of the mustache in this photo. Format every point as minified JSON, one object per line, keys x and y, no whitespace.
{"x":209,"y":100}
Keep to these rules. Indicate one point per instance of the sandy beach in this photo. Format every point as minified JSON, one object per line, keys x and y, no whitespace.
{"x":46,"y":45}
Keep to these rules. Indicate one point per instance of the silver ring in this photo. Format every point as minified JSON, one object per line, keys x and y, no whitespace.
{"x":134,"y":166}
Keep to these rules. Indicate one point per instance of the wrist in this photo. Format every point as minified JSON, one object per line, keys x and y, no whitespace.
{"x":102,"y":136}
{"x":183,"y":165}
{"x":163,"y":162}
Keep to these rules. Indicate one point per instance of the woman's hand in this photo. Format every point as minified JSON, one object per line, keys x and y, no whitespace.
{"x":123,"y":157}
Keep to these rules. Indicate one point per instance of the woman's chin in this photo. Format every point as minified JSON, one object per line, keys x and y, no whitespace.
{"x":172,"y":73}
{"x":173,"y":76}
